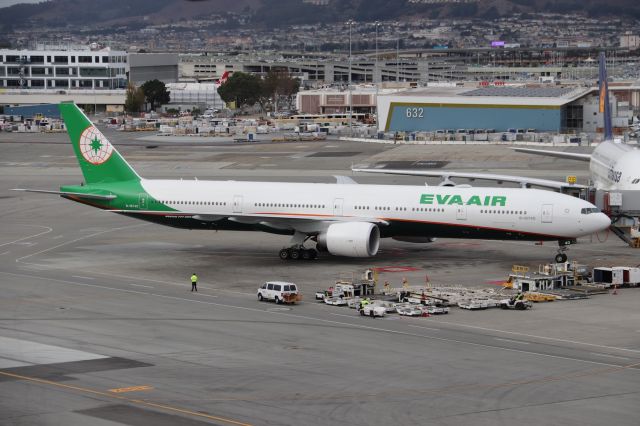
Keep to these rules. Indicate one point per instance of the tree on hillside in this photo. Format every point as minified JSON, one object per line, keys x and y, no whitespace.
{"x":156,"y":93}
{"x":134,"y":99}
{"x":241,"y":88}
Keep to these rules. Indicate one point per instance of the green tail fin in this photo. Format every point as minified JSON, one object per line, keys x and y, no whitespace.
{"x":99,"y":160}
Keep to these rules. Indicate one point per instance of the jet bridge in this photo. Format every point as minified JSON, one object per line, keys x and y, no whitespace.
{"x":623,"y":206}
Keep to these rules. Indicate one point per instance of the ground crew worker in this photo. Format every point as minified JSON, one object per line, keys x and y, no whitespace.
{"x":194,"y":282}
{"x":363,"y":303}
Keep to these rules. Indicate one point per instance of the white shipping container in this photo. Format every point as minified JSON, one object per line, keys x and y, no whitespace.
{"x":634,"y":276}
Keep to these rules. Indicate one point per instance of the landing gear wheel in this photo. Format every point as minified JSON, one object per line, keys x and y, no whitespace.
{"x":294,"y":254}
{"x":305,"y":254}
{"x":561,"y":258}
{"x":284,"y":254}
{"x":313,"y":254}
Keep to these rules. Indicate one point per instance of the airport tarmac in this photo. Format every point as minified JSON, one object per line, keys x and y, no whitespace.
{"x":98,"y":326}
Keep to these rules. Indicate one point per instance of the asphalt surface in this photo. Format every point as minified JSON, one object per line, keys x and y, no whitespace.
{"x":98,"y":326}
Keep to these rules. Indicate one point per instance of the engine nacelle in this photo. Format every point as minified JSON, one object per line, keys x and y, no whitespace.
{"x":353,"y":239}
{"x":416,"y":240}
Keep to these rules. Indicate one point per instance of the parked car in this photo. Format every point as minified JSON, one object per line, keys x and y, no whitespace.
{"x":278,"y":291}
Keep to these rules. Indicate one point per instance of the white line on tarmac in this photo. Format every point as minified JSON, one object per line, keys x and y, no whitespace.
{"x":139,"y":285}
{"x":512,"y":341}
{"x":104,"y":231}
{"x":424,"y":328}
{"x":343,"y":315}
{"x":6,"y":252}
{"x":297,"y":316}
{"x":207,"y":295}
{"x":48,"y":229}
{"x":609,"y":356}
{"x":515,"y":333}
{"x":82,"y":277}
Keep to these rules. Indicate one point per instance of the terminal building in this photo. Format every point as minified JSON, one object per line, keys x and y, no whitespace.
{"x":95,"y":79}
{"x":63,"y":69}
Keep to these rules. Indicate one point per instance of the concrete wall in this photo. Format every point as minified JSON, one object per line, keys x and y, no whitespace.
{"x":28,"y":111}
{"x":149,"y":66}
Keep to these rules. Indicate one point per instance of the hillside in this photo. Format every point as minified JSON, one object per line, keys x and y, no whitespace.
{"x":60,"y":13}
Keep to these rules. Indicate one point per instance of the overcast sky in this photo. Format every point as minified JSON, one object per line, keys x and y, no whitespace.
{"x":5,"y":3}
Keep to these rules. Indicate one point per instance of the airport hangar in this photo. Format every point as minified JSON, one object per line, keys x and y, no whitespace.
{"x":570,"y":109}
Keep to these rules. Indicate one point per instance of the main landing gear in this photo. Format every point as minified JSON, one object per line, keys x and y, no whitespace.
{"x":297,"y":249}
{"x":295,"y":253}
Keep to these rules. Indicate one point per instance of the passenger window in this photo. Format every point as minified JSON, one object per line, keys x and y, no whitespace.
{"x":277,"y":287}
{"x":270,"y":287}
{"x":286,"y":288}
{"x":264,"y":286}
{"x":293,"y":287}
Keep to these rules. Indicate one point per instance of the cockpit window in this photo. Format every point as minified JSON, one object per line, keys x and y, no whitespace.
{"x":635,"y":181}
{"x":590,"y":210}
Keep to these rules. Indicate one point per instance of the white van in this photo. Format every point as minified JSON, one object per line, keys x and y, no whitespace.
{"x":280,"y":291}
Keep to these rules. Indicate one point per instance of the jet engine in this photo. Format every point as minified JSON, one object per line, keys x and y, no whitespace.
{"x":353,"y":239}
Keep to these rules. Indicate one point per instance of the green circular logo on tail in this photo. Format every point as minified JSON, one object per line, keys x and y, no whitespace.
{"x":95,"y":148}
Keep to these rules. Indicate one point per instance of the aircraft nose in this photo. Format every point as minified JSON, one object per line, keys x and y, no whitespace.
{"x":599,"y":222}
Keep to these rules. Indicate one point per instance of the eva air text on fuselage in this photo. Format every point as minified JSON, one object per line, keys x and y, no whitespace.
{"x":474,"y":200}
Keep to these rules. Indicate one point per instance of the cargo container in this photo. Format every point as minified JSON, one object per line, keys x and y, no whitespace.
{"x":611,"y":276}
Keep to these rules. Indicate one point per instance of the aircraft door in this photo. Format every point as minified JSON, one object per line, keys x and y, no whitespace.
{"x":142,"y":201}
{"x":337,"y":206}
{"x":461,"y":213}
{"x":546,"y":214}
{"x":237,"y":203}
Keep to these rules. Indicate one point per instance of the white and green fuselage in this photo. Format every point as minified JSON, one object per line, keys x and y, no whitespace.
{"x":311,"y":209}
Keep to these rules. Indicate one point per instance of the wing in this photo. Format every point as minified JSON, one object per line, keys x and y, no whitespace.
{"x":558,"y":154}
{"x":345,"y":180}
{"x":285,"y":223}
{"x":74,"y":194}
{"x":525,"y":182}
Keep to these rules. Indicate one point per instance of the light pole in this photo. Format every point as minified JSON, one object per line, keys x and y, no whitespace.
{"x":377,"y":24}
{"x":398,"y":60}
{"x":376,"y":70}
{"x":350,"y":22}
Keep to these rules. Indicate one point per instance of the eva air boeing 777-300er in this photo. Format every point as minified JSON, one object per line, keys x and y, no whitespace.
{"x":345,"y":219}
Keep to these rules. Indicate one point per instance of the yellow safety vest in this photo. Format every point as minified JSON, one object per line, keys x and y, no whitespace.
{"x":194,"y":278}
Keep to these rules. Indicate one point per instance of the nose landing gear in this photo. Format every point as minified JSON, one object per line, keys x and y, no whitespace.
{"x":561,"y":257}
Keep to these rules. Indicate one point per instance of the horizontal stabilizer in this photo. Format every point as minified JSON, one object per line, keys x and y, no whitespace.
{"x":71,"y":194}
{"x":557,"y":154}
